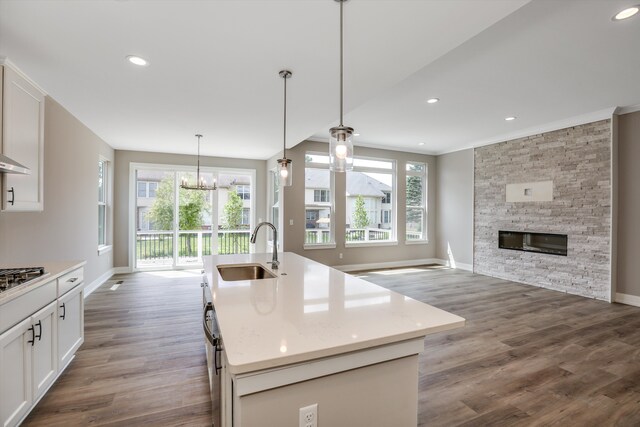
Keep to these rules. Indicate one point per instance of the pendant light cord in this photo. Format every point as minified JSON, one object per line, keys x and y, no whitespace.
{"x":198,"y":168}
{"x":284,"y":131}
{"x":341,"y":65}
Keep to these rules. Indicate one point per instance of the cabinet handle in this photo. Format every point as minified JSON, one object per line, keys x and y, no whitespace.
{"x":73,"y":279}
{"x":39,"y":336}
{"x":33,"y":336}
{"x":13,"y":196}
{"x":64,"y":311}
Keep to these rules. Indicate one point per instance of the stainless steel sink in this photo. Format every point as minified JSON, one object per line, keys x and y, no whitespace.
{"x":233,"y":272}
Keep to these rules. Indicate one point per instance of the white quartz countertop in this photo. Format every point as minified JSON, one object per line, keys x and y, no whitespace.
{"x":53,"y":270}
{"x":310,"y":311}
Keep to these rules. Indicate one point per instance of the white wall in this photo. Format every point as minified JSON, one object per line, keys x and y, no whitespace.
{"x":454,"y":207}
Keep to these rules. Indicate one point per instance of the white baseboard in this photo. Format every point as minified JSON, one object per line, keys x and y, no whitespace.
{"x":458,"y":265}
{"x":121,"y":270}
{"x":628,"y":299}
{"x":88,"y":290}
{"x":390,"y":264}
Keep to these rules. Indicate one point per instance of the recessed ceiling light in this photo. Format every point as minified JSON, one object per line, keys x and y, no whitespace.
{"x":137,"y":60}
{"x":420,"y":143}
{"x":510,"y":118}
{"x":626,"y":13}
{"x":356,"y":134}
{"x":432,"y":100}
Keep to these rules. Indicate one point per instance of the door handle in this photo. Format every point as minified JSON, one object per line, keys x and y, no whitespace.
{"x":13,"y":196}
{"x":64,"y":311}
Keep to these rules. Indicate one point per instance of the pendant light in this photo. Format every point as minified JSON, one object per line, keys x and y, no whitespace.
{"x":341,"y":137}
{"x":201,"y":183}
{"x":285,"y":166}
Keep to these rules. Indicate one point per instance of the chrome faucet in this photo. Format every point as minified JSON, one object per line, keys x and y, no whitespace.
{"x":274,"y":260}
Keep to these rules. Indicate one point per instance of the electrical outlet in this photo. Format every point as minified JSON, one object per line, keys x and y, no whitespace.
{"x":309,"y":416}
{"x":340,"y":255}
{"x":290,"y":222}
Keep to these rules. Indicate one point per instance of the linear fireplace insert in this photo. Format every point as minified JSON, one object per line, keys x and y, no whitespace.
{"x":546,"y":243}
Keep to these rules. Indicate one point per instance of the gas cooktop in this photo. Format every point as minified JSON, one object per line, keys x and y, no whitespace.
{"x":12,"y":277}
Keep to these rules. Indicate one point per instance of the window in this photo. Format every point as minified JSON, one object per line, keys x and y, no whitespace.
{"x":244,"y":191}
{"x":321,"y":196}
{"x":370,"y":201}
{"x":246,"y":216}
{"x":152,"y":187}
{"x":416,"y":201}
{"x":386,"y":217}
{"x":318,"y":200}
{"x":102,"y":203}
{"x":147,"y":189}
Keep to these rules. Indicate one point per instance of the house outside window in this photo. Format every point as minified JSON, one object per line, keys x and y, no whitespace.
{"x":416,"y":202}
{"x":318,"y":200}
{"x":370,"y":201}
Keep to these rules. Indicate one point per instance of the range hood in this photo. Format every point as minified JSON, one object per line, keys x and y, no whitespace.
{"x":11,"y":166}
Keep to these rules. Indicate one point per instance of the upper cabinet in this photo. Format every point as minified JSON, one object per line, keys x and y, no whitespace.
{"x":22,"y":140}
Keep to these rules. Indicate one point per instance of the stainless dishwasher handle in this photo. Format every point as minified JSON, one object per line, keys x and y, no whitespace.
{"x":215,"y":342}
{"x":207,"y":332}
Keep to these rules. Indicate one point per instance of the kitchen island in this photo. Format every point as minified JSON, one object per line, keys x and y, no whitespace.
{"x":315,"y":335}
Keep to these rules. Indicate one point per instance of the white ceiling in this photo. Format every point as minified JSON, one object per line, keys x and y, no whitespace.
{"x":214,"y":68}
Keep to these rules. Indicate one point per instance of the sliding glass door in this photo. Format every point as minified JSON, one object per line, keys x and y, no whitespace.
{"x":175,"y":227}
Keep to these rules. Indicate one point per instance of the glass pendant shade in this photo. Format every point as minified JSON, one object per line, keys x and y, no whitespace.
{"x":341,"y":137}
{"x":341,"y":149}
{"x":285,"y":172}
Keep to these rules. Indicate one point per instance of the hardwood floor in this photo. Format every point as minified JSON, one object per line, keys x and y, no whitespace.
{"x":527,"y":356}
{"x":142,"y":362}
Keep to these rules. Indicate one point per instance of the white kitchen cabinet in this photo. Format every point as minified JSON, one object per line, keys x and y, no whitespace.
{"x":15,"y":373}
{"x":35,"y":351}
{"x":29,"y":363}
{"x":70,"y":324}
{"x":22,"y":141}
{"x":45,"y":356}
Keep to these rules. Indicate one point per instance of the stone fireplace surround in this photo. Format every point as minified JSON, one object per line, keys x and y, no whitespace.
{"x":578,"y":161}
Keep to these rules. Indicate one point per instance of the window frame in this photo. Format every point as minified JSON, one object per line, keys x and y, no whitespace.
{"x":104,"y":203}
{"x":393,"y":171}
{"x":332,"y":202}
{"x":424,"y":174}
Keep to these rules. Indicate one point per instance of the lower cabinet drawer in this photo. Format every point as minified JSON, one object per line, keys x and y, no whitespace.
{"x":70,"y":281}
